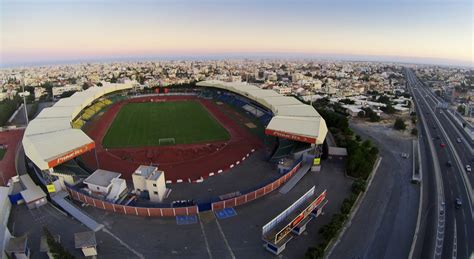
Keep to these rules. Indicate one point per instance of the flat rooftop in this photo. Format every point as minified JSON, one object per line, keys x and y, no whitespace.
{"x":101,"y":177}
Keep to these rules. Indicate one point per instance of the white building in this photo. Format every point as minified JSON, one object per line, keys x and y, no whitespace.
{"x":67,"y":88}
{"x":5,"y":207}
{"x":39,"y":91}
{"x":282,"y":90}
{"x":107,"y":184}
{"x":150,"y":179}
{"x":3,"y":96}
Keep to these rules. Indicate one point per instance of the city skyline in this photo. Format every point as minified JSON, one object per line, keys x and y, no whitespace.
{"x":423,"y":31}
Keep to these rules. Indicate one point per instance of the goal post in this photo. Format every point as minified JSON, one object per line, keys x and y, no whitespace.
{"x":166,"y":141}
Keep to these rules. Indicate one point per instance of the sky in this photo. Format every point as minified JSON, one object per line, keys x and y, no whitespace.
{"x":420,"y":31}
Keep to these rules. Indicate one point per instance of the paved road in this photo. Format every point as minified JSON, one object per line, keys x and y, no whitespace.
{"x":238,"y":236}
{"x":458,"y":224}
{"x":385,"y":222}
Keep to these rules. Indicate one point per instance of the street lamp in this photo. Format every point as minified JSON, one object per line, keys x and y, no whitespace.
{"x":24,"y":94}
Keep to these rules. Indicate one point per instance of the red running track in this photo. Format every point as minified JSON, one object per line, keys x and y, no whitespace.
{"x":185,"y":162}
{"x":10,"y":138}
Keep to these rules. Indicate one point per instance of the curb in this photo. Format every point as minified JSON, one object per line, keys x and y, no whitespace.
{"x":355,"y":208}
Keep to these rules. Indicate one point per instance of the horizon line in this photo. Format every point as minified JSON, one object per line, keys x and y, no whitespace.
{"x":250,"y":56}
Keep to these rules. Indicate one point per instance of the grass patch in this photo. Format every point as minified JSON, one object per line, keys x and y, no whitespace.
{"x":144,"y":124}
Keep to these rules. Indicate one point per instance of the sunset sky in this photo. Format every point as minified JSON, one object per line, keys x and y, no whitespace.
{"x":425,"y":31}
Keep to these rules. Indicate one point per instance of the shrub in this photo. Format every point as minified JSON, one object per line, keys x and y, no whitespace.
{"x":399,"y":124}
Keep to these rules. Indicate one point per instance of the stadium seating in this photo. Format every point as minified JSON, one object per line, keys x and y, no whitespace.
{"x":284,"y":149}
{"x":77,"y":124}
{"x":95,"y":108}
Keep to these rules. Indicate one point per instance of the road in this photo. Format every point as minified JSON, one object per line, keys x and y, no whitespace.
{"x":447,"y":229}
{"x":384,"y":225}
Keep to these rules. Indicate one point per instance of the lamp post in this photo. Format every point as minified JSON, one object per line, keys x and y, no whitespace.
{"x":24,"y":95}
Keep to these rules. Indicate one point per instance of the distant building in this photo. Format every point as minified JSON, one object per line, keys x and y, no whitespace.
{"x":282,"y":90}
{"x":150,"y":179}
{"x":39,"y":91}
{"x":3,"y":96}
{"x":67,"y":88}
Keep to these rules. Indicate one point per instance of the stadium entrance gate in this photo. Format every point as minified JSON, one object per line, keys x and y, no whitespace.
{"x":204,"y":206}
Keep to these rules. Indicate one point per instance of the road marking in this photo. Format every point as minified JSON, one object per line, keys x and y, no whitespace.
{"x":438,"y":179}
{"x":465,"y":180}
{"x":123,"y":243}
{"x":455,"y":241}
{"x":225,"y":240}
{"x":205,"y":238}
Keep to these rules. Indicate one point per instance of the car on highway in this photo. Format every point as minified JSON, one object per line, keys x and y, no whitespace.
{"x":458,"y":140}
{"x":458,"y":203}
{"x":405,"y":155}
{"x":449,"y":164}
{"x":442,"y":145}
{"x":468,"y":168}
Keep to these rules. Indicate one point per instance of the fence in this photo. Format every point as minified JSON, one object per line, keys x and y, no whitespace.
{"x":193,"y":210}
{"x":242,"y":199}
{"x":130,"y":210}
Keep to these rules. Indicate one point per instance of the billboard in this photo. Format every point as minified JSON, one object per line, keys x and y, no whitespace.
{"x":317,"y":161}
{"x":290,"y":136}
{"x":304,"y":214}
{"x":51,"y":188}
{"x":285,"y":213}
{"x":70,"y":155}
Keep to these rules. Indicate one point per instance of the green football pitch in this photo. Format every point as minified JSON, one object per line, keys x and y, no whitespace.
{"x":163,"y":123}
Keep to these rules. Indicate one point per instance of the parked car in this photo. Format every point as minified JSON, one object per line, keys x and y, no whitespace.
{"x":468,"y":168}
{"x":458,"y":203}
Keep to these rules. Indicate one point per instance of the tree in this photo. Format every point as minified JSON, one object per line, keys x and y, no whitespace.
{"x":461,"y":109}
{"x":55,"y":248}
{"x":388,"y":109}
{"x":384,"y":99}
{"x":414,"y":131}
{"x":399,"y":124}
{"x":361,"y":114}
{"x":85,"y":86}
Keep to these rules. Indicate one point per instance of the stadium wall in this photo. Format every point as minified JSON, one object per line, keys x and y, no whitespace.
{"x":131,"y":210}
{"x":181,"y":211}
{"x":245,"y":198}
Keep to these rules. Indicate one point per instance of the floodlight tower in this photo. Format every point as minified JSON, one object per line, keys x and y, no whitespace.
{"x":24,"y":94}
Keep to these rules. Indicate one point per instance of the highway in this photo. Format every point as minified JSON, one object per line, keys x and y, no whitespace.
{"x":447,"y":233}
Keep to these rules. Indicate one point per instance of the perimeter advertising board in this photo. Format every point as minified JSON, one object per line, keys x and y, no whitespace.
{"x":304,"y":214}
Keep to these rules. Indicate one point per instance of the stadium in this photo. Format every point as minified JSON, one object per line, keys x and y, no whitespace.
{"x":121,"y":148}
